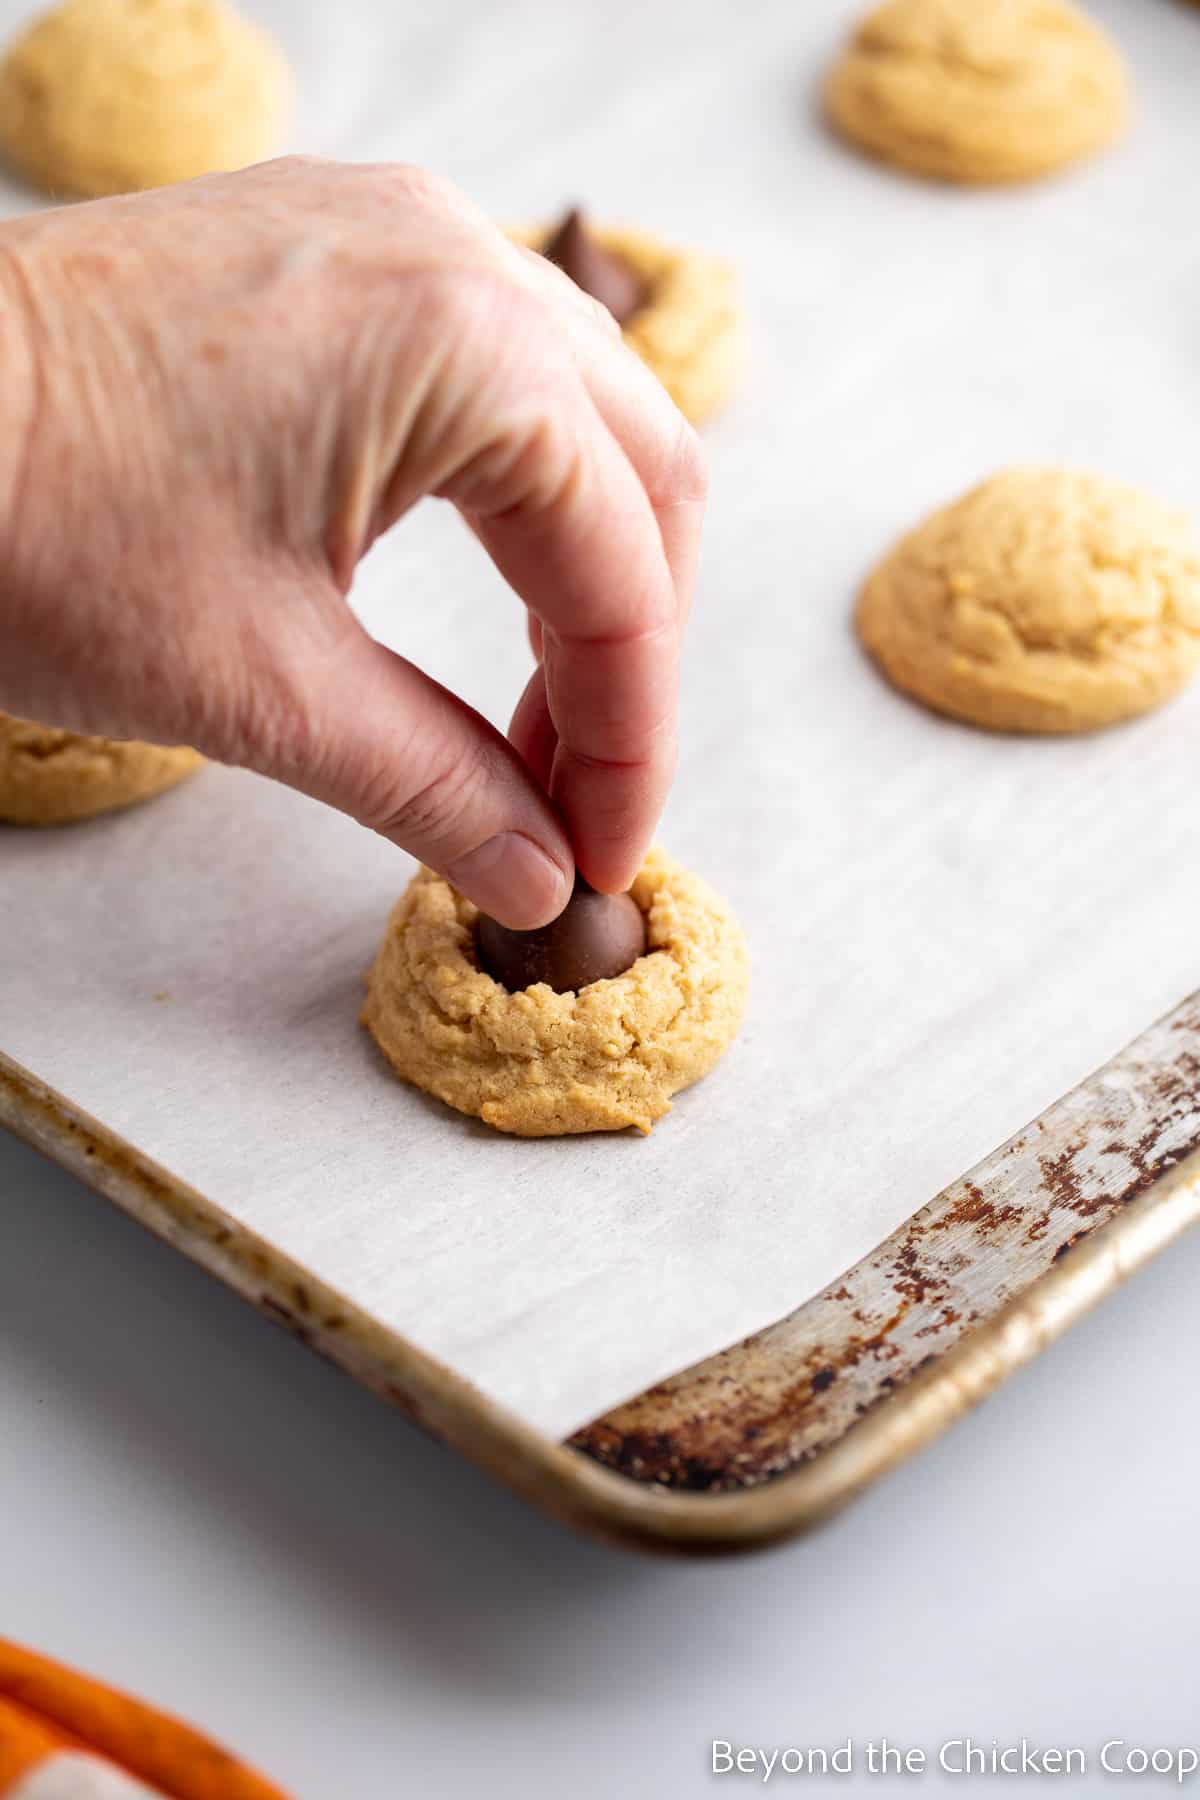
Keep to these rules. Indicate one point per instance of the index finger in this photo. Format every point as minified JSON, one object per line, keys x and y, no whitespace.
{"x":583,"y":548}
{"x":660,"y":443}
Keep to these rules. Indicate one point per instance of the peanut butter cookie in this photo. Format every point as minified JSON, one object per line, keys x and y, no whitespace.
{"x":50,"y":777}
{"x":542,"y":1064}
{"x":1047,"y":600}
{"x":103,"y":96}
{"x":978,"y":90}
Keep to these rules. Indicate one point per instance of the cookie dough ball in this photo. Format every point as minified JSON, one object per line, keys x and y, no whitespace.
{"x":103,"y":96}
{"x":50,"y":777}
{"x":688,"y":327}
{"x":541,"y":1064}
{"x":978,"y":90}
{"x":1047,"y":600}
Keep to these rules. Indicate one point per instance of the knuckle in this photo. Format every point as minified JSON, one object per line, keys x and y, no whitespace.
{"x":677,"y":470}
{"x":515,"y":417}
{"x":697,"y":464}
{"x":422,"y":188}
{"x":294,"y":164}
{"x":418,"y":182}
{"x":688,"y":464}
{"x":523,"y":468}
{"x":594,"y":311}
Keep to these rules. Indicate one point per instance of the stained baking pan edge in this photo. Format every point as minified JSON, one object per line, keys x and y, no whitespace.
{"x":775,"y":1434}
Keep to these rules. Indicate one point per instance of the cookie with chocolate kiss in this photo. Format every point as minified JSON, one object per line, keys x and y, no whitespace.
{"x":605,"y":1055}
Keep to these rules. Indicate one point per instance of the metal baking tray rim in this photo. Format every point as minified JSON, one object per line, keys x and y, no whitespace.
{"x":562,"y":1480}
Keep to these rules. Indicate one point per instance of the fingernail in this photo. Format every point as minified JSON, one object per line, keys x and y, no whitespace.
{"x":512,"y":879}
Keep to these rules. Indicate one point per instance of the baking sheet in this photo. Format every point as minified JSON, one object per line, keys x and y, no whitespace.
{"x":949,"y":929}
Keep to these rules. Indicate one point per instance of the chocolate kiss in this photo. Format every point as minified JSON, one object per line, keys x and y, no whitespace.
{"x":595,"y":937}
{"x":606,"y":277}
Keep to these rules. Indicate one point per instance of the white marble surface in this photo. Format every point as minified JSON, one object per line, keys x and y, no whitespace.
{"x":195,"y":1506}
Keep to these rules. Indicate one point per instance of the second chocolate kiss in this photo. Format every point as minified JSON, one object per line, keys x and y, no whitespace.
{"x":607,"y":278}
{"x":595,"y":937}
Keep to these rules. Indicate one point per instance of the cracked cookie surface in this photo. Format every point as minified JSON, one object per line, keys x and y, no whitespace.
{"x":50,"y":777}
{"x":541,"y":1064}
{"x":1045,"y":600}
{"x":689,"y":328}
{"x":104,"y":96}
{"x":978,"y":91}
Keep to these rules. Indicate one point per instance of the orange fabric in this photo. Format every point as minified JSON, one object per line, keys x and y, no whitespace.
{"x":25,"y":1741}
{"x":157,"y":1749}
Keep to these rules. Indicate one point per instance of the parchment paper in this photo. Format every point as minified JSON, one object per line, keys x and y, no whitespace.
{"x":949,"y":929}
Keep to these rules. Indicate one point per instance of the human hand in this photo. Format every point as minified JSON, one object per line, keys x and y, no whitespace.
{"x":219,"y":394}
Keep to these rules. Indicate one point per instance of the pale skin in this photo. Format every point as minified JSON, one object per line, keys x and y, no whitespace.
{"x":218,"y":395}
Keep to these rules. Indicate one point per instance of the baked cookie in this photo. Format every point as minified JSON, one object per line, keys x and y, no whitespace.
{"x":541,"y":1064}
{"x":1046,"y":600}
{"x":103,"y":96}
{"x":978,"y":90}
{"x":688,"y":327}
{"x":50,"y":777}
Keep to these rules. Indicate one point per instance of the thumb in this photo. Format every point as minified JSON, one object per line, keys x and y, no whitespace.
{"x":371,"y":734}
